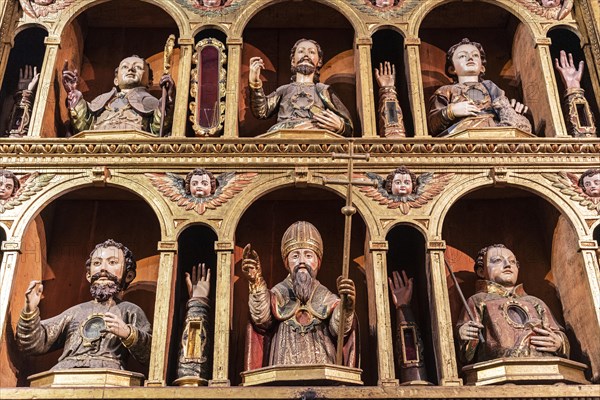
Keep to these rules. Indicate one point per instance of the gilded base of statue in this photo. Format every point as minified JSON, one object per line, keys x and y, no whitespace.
{"x":86,"y":377}
{"x":190,"y":381}
{"x":294,"y":375}
{"x":125,"y":135}
{"x":526,"y":370}
{"x":300,"y":134}
{"x":490,"y":133}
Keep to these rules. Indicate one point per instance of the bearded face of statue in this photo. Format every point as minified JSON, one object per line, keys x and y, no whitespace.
{"x":106,"y":271}
{"x":306,"y":58}
{"x":303,"y":265}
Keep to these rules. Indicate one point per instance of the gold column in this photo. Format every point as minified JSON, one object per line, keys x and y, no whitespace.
{"x":587,"y":13}
{"x":412,"y":60}
{"x":7,"y":16}
{"x":232,"y":93}
{"x":10,"y":250}
{"x":385,"y":348}
{"x":46,"y":77}
{"x":441,"y":324}
{"x":160,"y":341}
{"x":223,"y":294}
{"x":366,"y":101}
{"x":186,"y":51}
{"x":543,"y":48}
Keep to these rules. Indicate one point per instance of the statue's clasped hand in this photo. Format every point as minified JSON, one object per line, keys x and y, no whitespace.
{"x":346,"y":288}
{"x":166,"y":81}
{"x":116,"y":326}
{"x":546,"y":340}
{"x":330,"y":121}
{"x":470,"y":331}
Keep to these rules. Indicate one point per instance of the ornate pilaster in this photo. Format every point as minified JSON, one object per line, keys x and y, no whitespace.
{"x":46,"y":76}
{"x":366,"y":103}
{"x":443,"y":341}
{"x":160,"y":340}
{"x":7,"y":12}
{"x":10,"y":252}
{"x":224,"y":251}
{"x":186,"y":51}
{"x":232,"y":94}
{"x":542,"y":46}
{"x":385,"y":349}
{"x":412,"y":60}
{"x":587,"y":14}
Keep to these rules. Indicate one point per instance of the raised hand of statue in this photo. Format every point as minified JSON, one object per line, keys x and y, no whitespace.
{"x":570,"y":75}
{"x":470,"y":331}
{"x":386,"y":75}
{"x":116,"y":326}
{"x":346,"y":287}
{"x":251,"y":265}
{"x":401,"y":288}
{"x":33,"y":295}
{"x":464,"y":109}
{"x":166,"y":81}
{"x":256,"y":64}
{"x":27,"y":76}
{"x":329,"y":120}
{"x":519,"y":107}
{"x":198,"y":284}
{"x":69,"y":80}
{"x":546,"y":340}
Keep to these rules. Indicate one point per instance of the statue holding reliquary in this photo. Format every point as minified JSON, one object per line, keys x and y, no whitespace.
{"x":101,"y":333}
{"x":471,"y":101}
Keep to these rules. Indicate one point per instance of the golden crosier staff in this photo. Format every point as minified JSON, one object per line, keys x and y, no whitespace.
{"x":167,"y":59}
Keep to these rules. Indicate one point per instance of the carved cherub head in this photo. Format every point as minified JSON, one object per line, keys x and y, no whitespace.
{"x":498,"y":264}
{"x":306,"y":57}
{"x":9,"y":184}
{"x":401,"y":182}
{"x":465,"y":58}
{"x":549,"y":3}
{"x":200,"y":183}
{"x":383,"y":3}
{"x":132,"y":72}
{"x":110,"y":268}
{"x":210,"y":3}
{"x":589,"y":182}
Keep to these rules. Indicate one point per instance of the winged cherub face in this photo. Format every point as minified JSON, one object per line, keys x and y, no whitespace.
{"x":591,"y":185}
{"x":200,"y":186}
{"x":7,"y":187}
{"x":402,"y":185}
{"x":549,"y":3}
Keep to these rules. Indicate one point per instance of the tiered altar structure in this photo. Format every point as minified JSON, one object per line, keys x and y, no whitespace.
{"x":492,"y":185}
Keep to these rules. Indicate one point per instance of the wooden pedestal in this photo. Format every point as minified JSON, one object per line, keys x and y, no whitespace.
{"x":86,"y":377}
{"x":294,"y":375}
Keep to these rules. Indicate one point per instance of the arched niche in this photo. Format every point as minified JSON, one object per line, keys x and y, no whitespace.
{"x":564,"y":39}
{"x":195,"y":245}
{"x":263,"y":224}
{"x":96,"y":41}
{"x":28,"y":50}
{"x":272,"y":32}
{"x":388,"y":45}
{"x":512,"y":59}
{"x":407,"y":252}
{"x":56,"y":245}
{"x":544,"y":242}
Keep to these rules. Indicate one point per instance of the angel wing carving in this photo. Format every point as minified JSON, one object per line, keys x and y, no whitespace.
{"x":172,"y":186}
{"x":429,"y":185}
{"x":30,"y":185}
{"x":41,"y":8}
{"x":557,"y":12}
{"x":568,"y":184}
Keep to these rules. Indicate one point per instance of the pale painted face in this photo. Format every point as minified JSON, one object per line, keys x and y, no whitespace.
{"x":7,"y":187}
{"x":306,"y":49}
{"x":211,"y":3}
{"x":402,"y":185}
{"x":467,"y":61}
{"x":384,"y":3}
{"x":303,"y":256}
{"x":200,"y":186}
{"x":591,"y":185}
{"x":132,"y":73}
{"x":109,"y":259}
{"x":549,"y":3}
{"x":500,"y":266}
